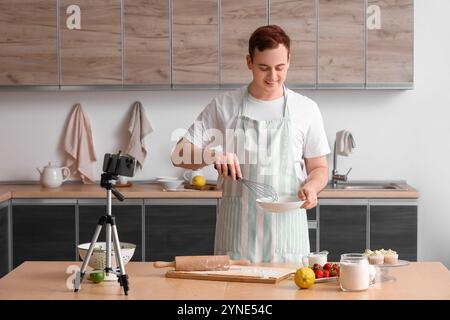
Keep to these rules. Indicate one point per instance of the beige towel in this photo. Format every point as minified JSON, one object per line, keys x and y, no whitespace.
{"x":79,"y":145}
{"x":344,"y":143}
{"x":139,"y":128}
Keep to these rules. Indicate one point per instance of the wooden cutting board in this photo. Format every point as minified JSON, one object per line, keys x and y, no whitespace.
{"x":205,"y":187}
{"x":237,"y":274}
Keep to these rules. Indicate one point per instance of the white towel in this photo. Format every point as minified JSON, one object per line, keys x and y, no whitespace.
{"x":79,"y":146}
{"x":344,"y":143}
{"x":139,"y":128}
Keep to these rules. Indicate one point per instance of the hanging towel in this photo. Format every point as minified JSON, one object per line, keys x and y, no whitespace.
{"x":138,"y":128}
{"x":344,"y":143}
{"x":79,"y":146}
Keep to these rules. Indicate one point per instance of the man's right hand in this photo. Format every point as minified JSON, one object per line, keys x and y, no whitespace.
{"x":227,"y":164}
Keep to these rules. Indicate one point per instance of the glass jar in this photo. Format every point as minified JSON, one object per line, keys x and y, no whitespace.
{"x":354,"y":272}
{"x":316,"y":257}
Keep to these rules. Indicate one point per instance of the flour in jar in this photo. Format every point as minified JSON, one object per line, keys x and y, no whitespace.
{"x":354,"y":272}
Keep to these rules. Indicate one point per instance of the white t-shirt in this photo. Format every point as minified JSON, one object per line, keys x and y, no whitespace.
{"x":223,"y":111}
{"x":262,"y":110}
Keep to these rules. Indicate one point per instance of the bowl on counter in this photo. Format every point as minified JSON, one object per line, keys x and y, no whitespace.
{"x":169,"y":184}
{"x":166,"y":178}
{"x":283,"y":204}
{"x":98,"y":258}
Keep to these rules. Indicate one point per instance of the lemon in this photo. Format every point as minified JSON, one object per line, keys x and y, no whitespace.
{"x":304,"y":277}
{"x":198,"y":181}
{"x":97,"y":277}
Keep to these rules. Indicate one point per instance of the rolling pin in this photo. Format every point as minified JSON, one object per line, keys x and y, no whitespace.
{"x":201,"y":263}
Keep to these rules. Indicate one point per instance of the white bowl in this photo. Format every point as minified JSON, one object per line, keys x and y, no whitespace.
{"x":282,"y":205}
{"x":98,"y":258}
{"x":166,"y":178}
{"x":169,"y":184}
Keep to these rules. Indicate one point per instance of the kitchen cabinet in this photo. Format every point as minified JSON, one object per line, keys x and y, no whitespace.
{"x":342,"y":227}
{"x":390,"y":43}
{"x":4,"y":238}
{"x":312,"y":228}
{"x":195,"y":38}
{"x":202,"y":43}
{"x":312,"y":239}
{"x":341,"y":44}
{"x":43,"y":230}
{"x":352,"y":225}
{"x":129,"y":222}
{"x":179,"y":228}
{"x":91,"y":50}
{"x":146,"y":43}
{"x":237,"y":22}
{"x":298,"y":19}
{"x":28,"y":42}
{"x":51,"y":229}
{"x":393,"y":225}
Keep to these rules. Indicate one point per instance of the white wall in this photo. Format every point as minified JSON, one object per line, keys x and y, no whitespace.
{"x":399,"y":134}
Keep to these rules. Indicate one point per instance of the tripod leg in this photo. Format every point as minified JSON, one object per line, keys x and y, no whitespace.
{"x":82,"y":272}
{"x":109,"y":222}
{"x":123,"y":278}
{"x":77,"y":281}
{"x":108,"y":248}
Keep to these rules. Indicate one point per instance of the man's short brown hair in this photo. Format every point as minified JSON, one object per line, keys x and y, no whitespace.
{"x":268,"y":37}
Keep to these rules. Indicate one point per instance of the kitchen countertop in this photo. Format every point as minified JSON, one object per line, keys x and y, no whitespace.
{"x":148,"y":190}
{"x":78,"y":190}
{"x":47,"y":280}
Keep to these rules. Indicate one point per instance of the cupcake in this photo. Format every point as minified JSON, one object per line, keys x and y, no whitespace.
{"x":390,"y":257}
{"x":376,"y":257}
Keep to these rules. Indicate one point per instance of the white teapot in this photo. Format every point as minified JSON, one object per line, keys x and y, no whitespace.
{"x":53,"y":176}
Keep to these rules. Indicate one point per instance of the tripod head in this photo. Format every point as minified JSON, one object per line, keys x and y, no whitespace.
{"x":113,"y":166}
{"x":107,"y":183}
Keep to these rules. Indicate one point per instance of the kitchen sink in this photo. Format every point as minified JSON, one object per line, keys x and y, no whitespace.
{"x":368,"y":186}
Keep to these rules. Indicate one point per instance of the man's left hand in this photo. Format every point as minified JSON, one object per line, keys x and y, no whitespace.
{"x":309,"y":195}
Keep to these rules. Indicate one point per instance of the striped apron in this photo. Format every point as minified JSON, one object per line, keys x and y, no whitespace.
{"x":244,"y":230}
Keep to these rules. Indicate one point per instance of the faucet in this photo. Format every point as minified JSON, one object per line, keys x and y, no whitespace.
{"x":335,"y":176}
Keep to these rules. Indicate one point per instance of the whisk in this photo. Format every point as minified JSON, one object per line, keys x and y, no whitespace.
{"x":261,"y":190}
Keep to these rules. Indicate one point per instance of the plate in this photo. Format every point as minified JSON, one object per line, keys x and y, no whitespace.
{"x":282,"y":205}
{"x":400,"y":263}
{"x":320,"y":280}
{"x":328,"y":279}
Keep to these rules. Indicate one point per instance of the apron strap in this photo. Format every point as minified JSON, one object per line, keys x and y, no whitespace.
{"x":286,"y":108}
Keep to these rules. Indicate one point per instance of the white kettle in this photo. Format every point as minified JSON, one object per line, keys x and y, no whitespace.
{"x":53,"y":176}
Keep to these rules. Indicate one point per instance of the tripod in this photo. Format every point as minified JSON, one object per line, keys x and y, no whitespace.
{"x":109,"y":220}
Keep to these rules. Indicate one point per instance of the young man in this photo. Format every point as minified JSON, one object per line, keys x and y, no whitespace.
{"x":282,"y":143}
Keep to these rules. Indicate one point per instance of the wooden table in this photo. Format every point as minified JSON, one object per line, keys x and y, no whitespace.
{"x":48,"y":280}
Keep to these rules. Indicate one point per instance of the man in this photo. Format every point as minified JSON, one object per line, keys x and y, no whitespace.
{"x":283,"y":145}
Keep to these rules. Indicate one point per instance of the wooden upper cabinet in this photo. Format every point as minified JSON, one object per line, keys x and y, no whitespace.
{"x":194,"y":42}
{"x":298,"y":19}
{"x":334,"y":43}
{"x":238,"y":21}
{"x":146,"y":42}
{"x":91,"y":54}
{"x":390,"y":42}
{"x":28,"y":42}
{"x":341,"y":43}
